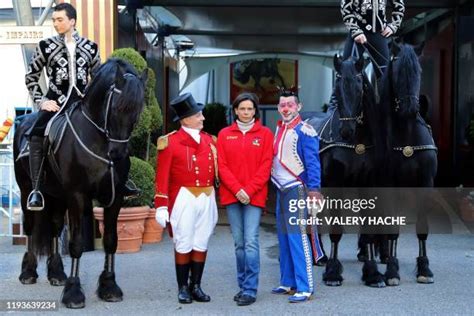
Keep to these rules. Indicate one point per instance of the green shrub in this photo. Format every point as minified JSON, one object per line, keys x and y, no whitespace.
{"x":153,"y":154}
{"x":143,"y":175}
{"x":132,"y":56}
{"x":151,"y":119}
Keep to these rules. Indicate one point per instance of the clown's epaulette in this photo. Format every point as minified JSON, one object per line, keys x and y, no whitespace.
{"x":163,"y":141}
{"x":308,"y":130}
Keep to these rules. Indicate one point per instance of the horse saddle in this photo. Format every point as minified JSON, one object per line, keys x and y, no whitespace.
{"x":322,"y":122}
{"x":54,"y":132}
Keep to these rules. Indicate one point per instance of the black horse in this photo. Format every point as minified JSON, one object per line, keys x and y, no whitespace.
{"x":258,"y":69}
{"x":413,"y":156}
{"x":88,"y":159}
{"x":352,"y":150}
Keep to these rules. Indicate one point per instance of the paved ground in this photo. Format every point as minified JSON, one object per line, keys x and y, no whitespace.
{"x":148,"y":281}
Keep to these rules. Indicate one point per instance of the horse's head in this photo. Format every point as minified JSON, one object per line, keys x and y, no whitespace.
{"x":114,"y":100}
{"x":404,"y":72}
{"x":349,"y":93}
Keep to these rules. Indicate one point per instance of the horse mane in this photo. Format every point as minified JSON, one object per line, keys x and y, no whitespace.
{"x":408,"y":73}
{"x":105,"y":77}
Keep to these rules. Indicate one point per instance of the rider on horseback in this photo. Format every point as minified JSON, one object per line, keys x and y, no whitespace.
{"x":367,"y":23}
{"x":69,"y":60}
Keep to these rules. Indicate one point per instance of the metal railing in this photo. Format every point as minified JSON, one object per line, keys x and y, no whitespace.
{"x":10,"y":209}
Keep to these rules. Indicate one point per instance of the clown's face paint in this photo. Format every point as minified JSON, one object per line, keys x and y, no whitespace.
{"x":288,"y":108}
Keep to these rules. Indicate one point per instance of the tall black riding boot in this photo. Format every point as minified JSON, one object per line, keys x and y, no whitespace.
{"x":197,"y":268}
{"x":182,"y":275}
{"x":35,"y":199}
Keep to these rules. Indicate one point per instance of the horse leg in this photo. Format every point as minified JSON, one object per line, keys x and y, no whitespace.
{"x":392,"y":277}
{"x":423,"y":273}
{"x":333,"y":274}
{"x":324,"y":259}
{"x":56,"y":275}
{"x":362,"y":255}
{"x":29,"y":263}
{"x":107,"y":289}
{"x":370,"y":273}
{"x":73,"y":295}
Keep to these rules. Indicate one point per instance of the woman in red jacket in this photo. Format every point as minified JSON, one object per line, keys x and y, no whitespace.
{"x":245,"y":159}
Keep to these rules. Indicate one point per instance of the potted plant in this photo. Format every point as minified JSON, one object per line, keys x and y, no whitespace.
{"x":142,"y":144}
{"x":142,"y":174}
{"x":134,"y":212}
{"x":151,"y":118}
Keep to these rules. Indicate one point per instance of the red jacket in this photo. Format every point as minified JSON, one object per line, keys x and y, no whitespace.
{"x":182,"y":162}
{"x":244,"y":162}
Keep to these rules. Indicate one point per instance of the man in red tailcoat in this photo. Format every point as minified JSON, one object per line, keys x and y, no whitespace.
{"x":185,"y":195}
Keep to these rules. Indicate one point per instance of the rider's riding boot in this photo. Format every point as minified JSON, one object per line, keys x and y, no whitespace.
{"x":130,"y":190}
{"x":35,"y":199}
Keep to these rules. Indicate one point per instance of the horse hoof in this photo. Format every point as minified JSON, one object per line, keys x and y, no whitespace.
{"x":57,"y":282}
{"x":75,"y":305}
{"x":393,"y":282}
{"x":30,"y":280}
{"x":378,"y":285}
{"x":333,"y":283}
{"x":112,"y":298}
{"x":424,"y":279}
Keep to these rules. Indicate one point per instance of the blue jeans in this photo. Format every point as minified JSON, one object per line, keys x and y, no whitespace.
{"x":245,"y":223}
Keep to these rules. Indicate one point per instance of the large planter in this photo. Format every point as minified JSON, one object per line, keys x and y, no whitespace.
{"x":130,"y":227}
{"x":153,"y":231}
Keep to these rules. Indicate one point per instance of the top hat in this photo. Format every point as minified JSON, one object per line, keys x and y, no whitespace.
{"x":185,"y":106}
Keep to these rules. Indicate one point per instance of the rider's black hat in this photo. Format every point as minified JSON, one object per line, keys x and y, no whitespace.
{"x":185,"y":106}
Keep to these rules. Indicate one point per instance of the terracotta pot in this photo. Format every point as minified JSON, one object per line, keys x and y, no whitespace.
{"x":153,"y":231}
{"x":130,"y":227}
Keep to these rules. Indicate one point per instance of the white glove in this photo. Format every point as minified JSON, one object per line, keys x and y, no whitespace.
{"x":162,"y":216}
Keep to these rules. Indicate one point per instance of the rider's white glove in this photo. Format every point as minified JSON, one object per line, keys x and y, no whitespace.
{"x":162,"y":216}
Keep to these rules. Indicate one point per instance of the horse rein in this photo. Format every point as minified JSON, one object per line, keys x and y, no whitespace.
{"x":104,"y":129}
{"x":109,"y":162}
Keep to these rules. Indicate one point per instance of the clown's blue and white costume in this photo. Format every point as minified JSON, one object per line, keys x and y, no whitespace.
{"x":296,"y":170}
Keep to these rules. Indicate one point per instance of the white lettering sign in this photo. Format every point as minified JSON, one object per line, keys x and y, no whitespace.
{"x":24,"y":34}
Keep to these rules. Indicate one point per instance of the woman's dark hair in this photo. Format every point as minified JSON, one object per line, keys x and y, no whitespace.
{"x":244,"y":97}
{"x":70,"y":10}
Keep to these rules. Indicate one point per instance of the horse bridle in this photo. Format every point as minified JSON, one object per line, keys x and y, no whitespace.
{"x":359,"y":119}
{"x":112,"y":89}
{"x":398,"y":100}
{"x":109,"y":162}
